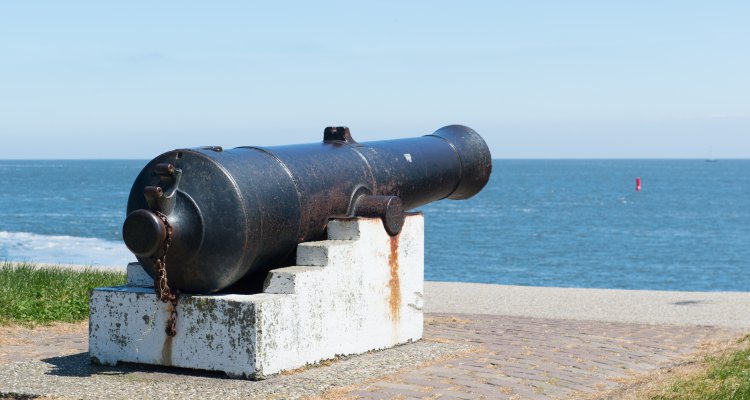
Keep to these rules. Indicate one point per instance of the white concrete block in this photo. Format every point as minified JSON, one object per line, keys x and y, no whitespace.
{"x":352,"y":296}
{"x":138,"y":277}
{"x":324,"y":252}
{"x":341,"y":229}
{"x":284,"y":280}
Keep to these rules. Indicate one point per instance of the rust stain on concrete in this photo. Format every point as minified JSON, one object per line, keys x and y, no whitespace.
{"x":394,"y":284}
{"x":166,"y":349}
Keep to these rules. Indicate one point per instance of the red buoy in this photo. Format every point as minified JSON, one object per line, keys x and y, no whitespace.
{"x":638,"y":184}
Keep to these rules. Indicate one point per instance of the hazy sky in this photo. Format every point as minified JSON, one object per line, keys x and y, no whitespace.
{"x":556,"y":79}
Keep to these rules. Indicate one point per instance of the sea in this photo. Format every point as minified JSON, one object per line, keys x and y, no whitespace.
{"x":564,"y":223}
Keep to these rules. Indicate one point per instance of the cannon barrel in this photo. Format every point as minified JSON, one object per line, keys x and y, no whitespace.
{"x":232,"y":215}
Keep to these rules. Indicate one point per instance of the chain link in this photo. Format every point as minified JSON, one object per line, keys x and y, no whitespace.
{"x":161,"y":286}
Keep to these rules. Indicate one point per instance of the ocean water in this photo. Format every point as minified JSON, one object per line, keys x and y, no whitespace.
{"x":67,"y":212}
{"x":571,"y":223}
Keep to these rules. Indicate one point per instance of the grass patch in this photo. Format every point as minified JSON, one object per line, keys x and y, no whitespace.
{"x":30,"y":295}
{"x":726,"y":376}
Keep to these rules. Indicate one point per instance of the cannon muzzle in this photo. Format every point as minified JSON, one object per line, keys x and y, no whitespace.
{"x":229,"y":216}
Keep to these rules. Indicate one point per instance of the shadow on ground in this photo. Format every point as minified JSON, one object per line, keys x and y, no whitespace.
{"x":80,"y":365}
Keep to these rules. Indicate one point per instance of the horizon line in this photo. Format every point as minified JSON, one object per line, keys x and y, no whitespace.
{"x":493,"y":159}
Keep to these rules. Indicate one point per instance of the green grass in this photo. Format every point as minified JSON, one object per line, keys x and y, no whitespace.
{"x":725,"y":377}
{"x":30,"y":295}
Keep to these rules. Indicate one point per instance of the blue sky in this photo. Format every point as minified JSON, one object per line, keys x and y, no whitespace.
{"x":572,"y":79}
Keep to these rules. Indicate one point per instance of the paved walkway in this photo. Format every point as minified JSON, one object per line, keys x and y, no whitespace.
{"x":726,"y":309}
{"x":465,"y":355}
{"x":535,"y":358}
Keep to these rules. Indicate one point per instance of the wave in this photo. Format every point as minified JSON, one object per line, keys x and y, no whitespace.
{"x":54,"y":249}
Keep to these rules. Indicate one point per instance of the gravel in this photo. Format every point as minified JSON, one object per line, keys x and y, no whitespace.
{"x":75,"y":377}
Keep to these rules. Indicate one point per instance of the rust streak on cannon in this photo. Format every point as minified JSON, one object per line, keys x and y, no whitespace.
{"x":232,"y":215}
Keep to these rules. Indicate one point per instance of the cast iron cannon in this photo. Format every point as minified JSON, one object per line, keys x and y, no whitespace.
{"x":226,"y":217}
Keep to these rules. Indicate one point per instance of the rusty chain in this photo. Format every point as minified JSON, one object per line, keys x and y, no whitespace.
{"x":161,"y":286}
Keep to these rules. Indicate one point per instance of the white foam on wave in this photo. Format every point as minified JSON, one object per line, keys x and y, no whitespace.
{"x":54,"y":249}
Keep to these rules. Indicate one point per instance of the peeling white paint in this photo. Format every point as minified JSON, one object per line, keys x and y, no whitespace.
{"x":360,"y":290}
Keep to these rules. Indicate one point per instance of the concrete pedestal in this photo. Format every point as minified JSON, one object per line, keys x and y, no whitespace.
{"x":360,"y":290}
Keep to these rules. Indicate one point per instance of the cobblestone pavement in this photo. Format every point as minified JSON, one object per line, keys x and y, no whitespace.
{"x":463,"y":356}
{"x":533,"y":358}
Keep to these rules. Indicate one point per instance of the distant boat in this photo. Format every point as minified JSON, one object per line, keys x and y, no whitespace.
{"x":711,"y":160}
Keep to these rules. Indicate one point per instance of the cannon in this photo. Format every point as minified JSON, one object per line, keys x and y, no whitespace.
{"x":214,"y":219}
